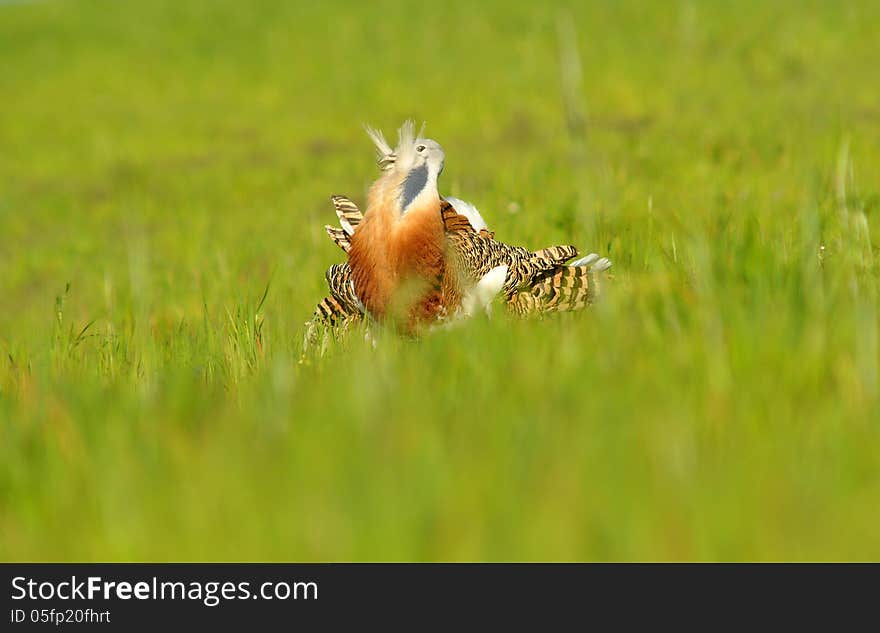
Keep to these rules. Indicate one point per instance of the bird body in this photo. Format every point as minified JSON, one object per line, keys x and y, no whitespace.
{"x":388,"y":254}
{"x":534,"y":283}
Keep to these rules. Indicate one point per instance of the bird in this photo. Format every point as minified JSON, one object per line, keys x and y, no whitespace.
{"x":443,"y":243}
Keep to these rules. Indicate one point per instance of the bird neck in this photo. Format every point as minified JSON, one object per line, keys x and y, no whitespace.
{"x":418,"y":190}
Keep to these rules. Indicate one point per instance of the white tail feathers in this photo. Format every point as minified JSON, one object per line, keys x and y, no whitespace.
{"x":595,"y":262}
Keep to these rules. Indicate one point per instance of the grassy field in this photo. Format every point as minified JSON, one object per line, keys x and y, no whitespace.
{"x":163,"y":163}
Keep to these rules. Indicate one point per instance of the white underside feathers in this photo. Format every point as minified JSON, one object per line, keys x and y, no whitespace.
{"x":482,"y":294}
{"x":470,"y":212}
{"x":346,"y":225}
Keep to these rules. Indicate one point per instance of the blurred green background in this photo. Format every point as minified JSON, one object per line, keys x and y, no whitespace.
{"x":162,"y":162}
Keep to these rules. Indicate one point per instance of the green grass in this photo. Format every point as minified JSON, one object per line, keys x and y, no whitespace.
{"x":169,"y":160}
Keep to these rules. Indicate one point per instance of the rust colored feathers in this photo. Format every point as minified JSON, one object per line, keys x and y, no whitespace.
{"x":398,"y":264}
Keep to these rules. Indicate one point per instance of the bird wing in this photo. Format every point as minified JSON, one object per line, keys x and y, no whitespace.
{"x":348,"y":213}
{"x":479,"y":252}
{"x":342,"y":304}
{"x":563,"y":289}
{"x":339,"y":236}
{"x":349,"y":217}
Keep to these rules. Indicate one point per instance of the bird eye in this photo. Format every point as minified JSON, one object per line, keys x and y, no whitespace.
{"x":420,"y":148}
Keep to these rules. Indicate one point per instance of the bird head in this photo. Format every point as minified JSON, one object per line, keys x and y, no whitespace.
{"x":429,"y":153}
{"x":414,"y":165}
